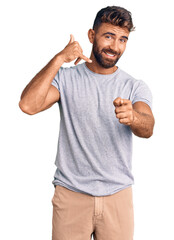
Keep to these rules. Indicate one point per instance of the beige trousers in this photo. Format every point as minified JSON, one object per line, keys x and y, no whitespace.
{"x":79,"y":216}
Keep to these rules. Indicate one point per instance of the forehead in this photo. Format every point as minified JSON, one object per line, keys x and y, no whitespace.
{"x":108,"y":27}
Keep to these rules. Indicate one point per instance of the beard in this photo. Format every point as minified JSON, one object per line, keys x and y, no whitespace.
{"x":104,"y":62}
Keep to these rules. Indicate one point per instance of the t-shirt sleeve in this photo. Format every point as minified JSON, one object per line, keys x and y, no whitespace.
{"x":142,"y":92}
{"x":56,"y":80}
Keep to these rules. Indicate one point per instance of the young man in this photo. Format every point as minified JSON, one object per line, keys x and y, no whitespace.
{"x":100,"y":106}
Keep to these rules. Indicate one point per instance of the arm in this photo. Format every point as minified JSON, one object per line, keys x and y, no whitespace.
{"x":39,"y":94}
{"x":138,"y":116}
{"x":143,"y":120}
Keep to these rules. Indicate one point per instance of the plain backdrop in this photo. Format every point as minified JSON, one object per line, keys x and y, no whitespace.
{"x":32,"y":32}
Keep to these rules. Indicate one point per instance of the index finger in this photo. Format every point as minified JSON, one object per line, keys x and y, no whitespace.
{"x":118,"y":102}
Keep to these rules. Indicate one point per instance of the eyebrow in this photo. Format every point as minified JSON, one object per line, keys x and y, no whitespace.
{"x":113,"y":34}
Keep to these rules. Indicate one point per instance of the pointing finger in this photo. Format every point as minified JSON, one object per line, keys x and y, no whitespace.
{"x":118,"y":102}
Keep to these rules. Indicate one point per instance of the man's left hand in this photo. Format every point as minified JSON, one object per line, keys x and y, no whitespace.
{"x":124,"y":110}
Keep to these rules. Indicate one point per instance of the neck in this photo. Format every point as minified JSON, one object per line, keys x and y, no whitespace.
{"x":95,"y":67}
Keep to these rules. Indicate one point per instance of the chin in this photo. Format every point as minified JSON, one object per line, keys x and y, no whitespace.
{"x":108,"y":65}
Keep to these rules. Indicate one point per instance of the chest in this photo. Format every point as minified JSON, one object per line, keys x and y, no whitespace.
{"x":94,"y":97}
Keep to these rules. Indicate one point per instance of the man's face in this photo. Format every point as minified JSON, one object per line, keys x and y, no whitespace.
{"x":109,"y":44}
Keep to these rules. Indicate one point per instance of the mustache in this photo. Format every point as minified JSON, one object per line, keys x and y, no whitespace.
{"x":111,"y":51}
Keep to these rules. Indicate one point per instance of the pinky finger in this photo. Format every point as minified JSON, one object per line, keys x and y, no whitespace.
{"x":85,"y":58}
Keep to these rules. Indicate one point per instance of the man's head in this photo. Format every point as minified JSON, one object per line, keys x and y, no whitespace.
{"x":117,"y":16}
{"x":109,"y":35}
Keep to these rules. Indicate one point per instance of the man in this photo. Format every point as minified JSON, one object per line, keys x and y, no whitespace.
{"x":100,"y":106}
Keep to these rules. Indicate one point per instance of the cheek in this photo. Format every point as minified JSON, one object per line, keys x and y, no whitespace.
{"x":104,"y":44}
{"x":101,"y":47}
{"x":122,"y":48}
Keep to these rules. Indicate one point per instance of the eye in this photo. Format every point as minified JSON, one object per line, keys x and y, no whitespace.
{"x":108,"y":36}
{"x":122,"y":40}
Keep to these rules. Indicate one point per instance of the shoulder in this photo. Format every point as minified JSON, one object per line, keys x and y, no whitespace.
{"x":139,"y":89}
{"x":132,"y":81}
{"x":127,"y":77}
{"x":67,"y":73}
{"x":72,"y":69}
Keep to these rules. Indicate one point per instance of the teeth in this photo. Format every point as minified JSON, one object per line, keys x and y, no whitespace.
{"x":110,"y":54}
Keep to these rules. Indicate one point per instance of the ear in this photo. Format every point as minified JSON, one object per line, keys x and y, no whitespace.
{"x":91,"y":34}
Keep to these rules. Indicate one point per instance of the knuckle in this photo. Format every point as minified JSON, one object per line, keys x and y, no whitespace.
{"x":76,"y":43}
{"x":130,"y":103}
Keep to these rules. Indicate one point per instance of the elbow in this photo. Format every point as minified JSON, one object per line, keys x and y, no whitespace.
{"x":25,"y":108}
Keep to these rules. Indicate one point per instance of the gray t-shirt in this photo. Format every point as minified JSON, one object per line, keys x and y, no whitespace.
{"x":94,"y":152}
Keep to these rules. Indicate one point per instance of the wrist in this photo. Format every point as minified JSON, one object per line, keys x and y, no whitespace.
{"x":59,"y":58}
{"x":134,"y":118}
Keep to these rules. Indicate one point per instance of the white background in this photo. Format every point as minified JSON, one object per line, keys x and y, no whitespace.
{"x":32,"y":32}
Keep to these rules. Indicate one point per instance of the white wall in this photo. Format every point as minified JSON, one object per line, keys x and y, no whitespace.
{"x":32,"y":32}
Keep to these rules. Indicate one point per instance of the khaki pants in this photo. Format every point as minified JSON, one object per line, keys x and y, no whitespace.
{"x":79,"y":216}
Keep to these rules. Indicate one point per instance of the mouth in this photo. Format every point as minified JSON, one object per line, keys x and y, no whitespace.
{"x":108,"y":54}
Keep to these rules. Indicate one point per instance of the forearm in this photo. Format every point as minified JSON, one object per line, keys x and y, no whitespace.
{"x":34,"y":94}
{"x":142,"y":125}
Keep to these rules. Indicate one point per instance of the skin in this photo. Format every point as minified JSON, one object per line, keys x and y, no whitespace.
{"x":109,"y":37}
{"x":138,"y":115}
{"x":40,"y":95}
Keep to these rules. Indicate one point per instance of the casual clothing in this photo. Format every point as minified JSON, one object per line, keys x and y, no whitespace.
{"x":94,"y":154}
{"x":78,"y":216}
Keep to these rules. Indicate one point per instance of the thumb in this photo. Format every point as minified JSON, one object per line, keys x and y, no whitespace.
{"x":71,"y":39}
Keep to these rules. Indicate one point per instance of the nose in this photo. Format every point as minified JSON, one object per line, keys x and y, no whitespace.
{"x":115,"y":46}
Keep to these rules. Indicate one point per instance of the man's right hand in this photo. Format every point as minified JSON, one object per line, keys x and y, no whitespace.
{"x":39,"y":94}
{"x":73,"y":51}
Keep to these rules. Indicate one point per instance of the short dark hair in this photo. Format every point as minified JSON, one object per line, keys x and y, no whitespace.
{"x":115,"y":15}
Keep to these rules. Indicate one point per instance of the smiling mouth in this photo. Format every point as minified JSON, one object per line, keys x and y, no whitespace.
{"x":109,"y":54}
